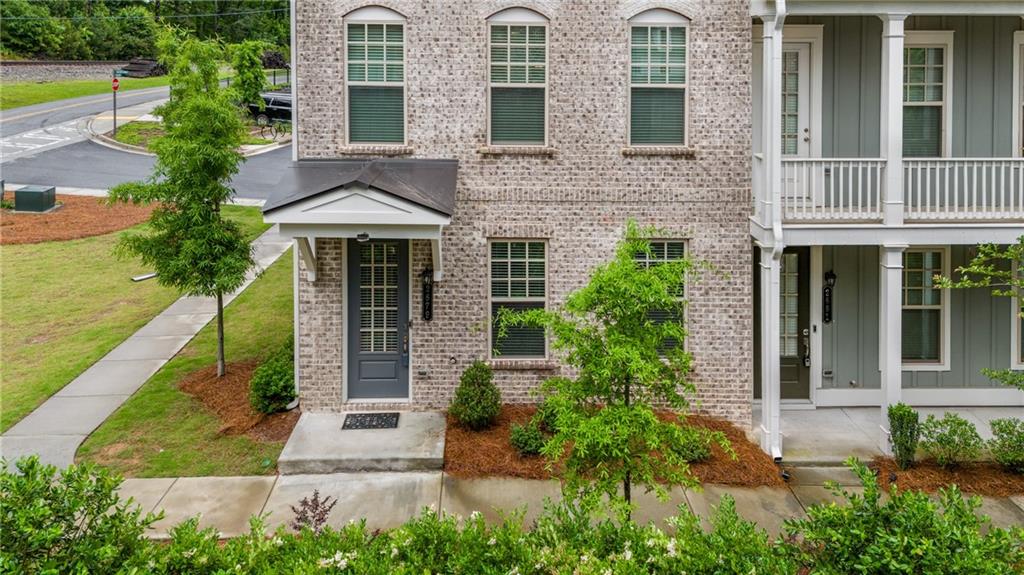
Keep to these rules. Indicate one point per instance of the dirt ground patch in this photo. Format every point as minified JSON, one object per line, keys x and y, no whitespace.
{"x":488,"y":453}
{"x":982,"y":478}
{"x":228,"y":398}
{"x":77,"y":217}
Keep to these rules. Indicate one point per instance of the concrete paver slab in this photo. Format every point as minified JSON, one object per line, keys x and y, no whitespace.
{"x":385,"y":499}
{"x":1018,"y":500}
{"x":819,"y":475}
{"x":67,"y":416}
{"x":809,"y":495}
{"x":171,"y":324}
{"x":1003,"y":512}
{"x":491,"y":496}
{"x":58,"y":450}
{"x":150,"y":347}
{"x":146,"y":493}
{"x":319,"y":445}
{"x":192,"y":305}
{"x":112,"y":377}
{"x":225,"y":503}
{"x":765,"y":506}
{"x":650,"y":509}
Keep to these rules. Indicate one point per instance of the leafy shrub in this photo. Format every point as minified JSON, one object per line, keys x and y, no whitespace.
{"x":695,"y":442}
{"x":1007,"y":444}
{"x":272,"y":386}
{"x":527,"y":439}
{"x":908,"y":533}
{"x":951,"y":440}
{"x":477,"y":400}
{"x":312,"y":512}
{"x":905,"y":430}
{"x":547,"y":416}
{"x":70,"y":522}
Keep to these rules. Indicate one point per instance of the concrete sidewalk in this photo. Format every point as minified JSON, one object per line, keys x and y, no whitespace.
{"x":388,"y":499}
{"x":57,"y":427}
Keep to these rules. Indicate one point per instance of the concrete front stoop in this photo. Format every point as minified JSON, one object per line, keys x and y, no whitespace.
{"x":319,"y":445}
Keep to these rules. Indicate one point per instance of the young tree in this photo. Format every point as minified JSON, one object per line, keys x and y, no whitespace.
{"x":617,"y":332}
{"x":188,"y":242}
{"x":250,"y":79}
{"x":1000,"y":269}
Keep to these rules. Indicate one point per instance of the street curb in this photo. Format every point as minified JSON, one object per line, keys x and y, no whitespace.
{"x":104,"y":140}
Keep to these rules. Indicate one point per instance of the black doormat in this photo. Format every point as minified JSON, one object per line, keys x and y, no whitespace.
{"x":371,"y":421}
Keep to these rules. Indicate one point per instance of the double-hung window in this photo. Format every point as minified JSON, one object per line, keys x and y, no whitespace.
{"x":924,"y":306}
{"x":518,"y":282}
{"x":375,"y":76}
{"x":1017,"y":324}
{"x":657,"y":83}
{"x":663,"y":251}
{"x":926,"y":76}
{"x":518,"y":78}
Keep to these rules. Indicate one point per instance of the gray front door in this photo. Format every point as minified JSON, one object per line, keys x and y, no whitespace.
{"x":794,"y":324}
{"x":378,"y":319}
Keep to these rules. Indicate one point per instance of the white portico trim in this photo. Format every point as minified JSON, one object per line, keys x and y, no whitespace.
{"x":358,"y":211}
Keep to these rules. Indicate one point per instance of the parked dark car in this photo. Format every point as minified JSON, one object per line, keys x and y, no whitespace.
{"x":277,"y":107}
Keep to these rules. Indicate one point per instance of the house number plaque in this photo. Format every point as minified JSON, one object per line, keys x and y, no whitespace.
{"x":826,"y":304}
{"x":428,"y":294}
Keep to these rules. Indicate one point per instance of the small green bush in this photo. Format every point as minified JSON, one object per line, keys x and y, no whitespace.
{"x":547,"y":416}
{"x":477,"y":400}
{"x":71,"y":522}
{"x":905,"y":431}
{"x":272,"y":386}
{"x":951,"y":440}
{"x":907,"y":533}
{"x":1007,"y":443}
{"x":695,"y":443}
{"x":527,"y":439}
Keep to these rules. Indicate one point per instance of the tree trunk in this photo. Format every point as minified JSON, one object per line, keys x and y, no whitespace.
{"x":220,"y":335}
{"x":627,"y":480}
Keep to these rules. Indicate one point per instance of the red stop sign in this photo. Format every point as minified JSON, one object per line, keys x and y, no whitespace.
{"x":115,"y":84}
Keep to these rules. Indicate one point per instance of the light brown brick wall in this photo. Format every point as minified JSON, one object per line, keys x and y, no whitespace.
{"x":578,"y":199}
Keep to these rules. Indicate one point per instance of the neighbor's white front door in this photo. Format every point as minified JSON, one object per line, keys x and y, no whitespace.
{"x":796,"y":100}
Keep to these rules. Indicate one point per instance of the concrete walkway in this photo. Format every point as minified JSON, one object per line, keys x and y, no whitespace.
{"x":827,"y":436}
{"x":57,"y":427}
{"x":388,"y":499}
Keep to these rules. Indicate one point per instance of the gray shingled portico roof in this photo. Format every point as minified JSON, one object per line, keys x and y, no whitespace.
{"x":428,"y":183}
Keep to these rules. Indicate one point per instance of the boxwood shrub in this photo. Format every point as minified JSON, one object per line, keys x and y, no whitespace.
{"x":477,"y":400}
{"x":272,"y":386}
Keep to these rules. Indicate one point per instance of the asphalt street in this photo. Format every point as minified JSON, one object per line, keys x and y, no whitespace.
{"x":39,"y":147}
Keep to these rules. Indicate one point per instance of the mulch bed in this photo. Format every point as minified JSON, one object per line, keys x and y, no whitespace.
{"x":471,"y":454}
{"x":982,"y":478}
{"x":77,"y":217}
{"x":228,"y":398}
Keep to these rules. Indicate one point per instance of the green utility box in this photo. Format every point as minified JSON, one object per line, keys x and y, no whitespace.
{"x":35,"y":198}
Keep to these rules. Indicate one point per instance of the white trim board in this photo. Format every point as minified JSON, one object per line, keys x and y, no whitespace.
{"x":1016,"y":362}
{"x":922,"y":397}
{"x":1018,"y":94}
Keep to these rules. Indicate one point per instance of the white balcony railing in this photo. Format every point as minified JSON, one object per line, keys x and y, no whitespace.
{"x":816,"y":189}
{"x":963,"y":189}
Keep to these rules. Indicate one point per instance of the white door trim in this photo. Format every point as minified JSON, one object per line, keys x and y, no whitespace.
{"x":816,"y":323}
{"x":1018,"y":93}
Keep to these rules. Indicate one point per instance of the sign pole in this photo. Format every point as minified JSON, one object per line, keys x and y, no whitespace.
{"x":114,"y":85}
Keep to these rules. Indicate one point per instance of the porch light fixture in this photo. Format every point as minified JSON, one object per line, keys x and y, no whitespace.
{"x":362,"y":237}
{"x":830,"y":278}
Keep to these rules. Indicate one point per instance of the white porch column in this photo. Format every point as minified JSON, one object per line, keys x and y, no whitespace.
{"x":891,"y":132}
{"x":771,"y":117}
{"x":890,"y":332}
{"x":771,"y":390}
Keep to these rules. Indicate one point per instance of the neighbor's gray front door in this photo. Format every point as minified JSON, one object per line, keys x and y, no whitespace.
{"x":378,"y":319}
{"x":794,"y":324}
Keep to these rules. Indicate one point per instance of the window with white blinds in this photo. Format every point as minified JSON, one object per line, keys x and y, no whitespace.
{"x":518,"y":281}
{"x":658,"y":74}
{"x":923,"y":306}
{"x":518,"y":80}
{"x":375,"y":75}
{"x":924,"y":100}
{"x":664,"y":251}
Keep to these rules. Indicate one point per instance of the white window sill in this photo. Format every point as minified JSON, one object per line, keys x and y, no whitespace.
{"x":925,"y":367}
{"x":501,"y":150}
{"x":375,"y":150}
{"x":687,"y":152}
{"x":525,"y":364}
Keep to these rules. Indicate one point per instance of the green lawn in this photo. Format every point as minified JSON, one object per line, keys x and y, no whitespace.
{"x":16,"y":94}
{"x":142,"y":133}
{"x":65,"y":305}
{"x":163,"y":432}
